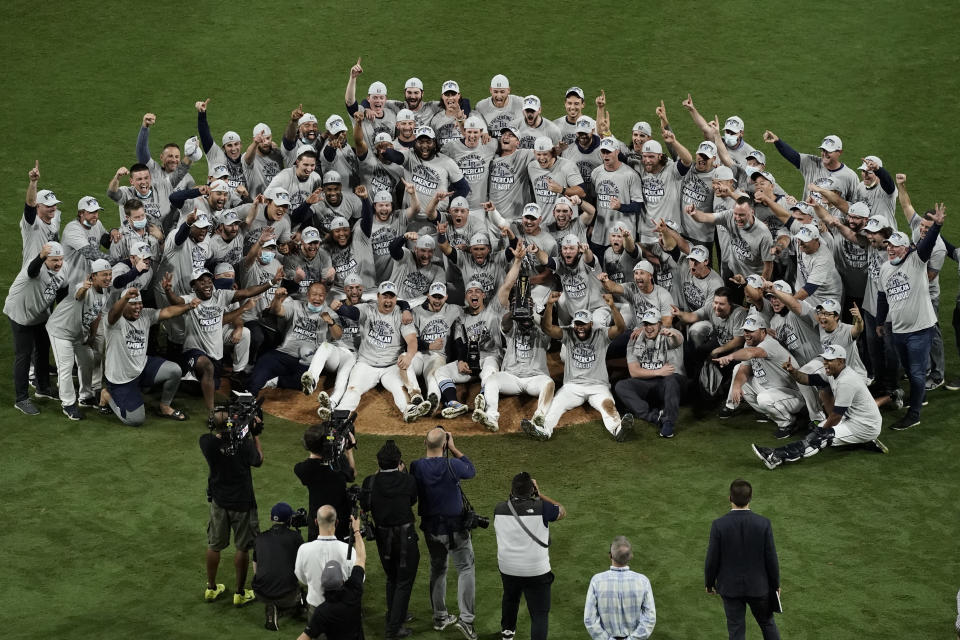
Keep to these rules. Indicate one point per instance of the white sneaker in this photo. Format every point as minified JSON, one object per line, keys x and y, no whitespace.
{"x":307,"y":384}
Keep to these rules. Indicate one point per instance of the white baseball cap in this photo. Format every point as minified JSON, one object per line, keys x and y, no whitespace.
{"x":830,"y":306}
{"x":875,"y":224}
{"x":755,"y":281}
{"x":723,"y":172}
{"x":230,"y":136}
{"x":542,"y":144}
{"x":383,"y":136}
{"x":644,"y":265}
{"x":305,"y":148}
{"x":222,"y":268}
{"x":352,"y":279}
{"x":46,"y":197}
{"x":479,"y":239}
{"x":708,"y":149}
{"x":339,"y":222}
{"x":898,"y":239}
{"x":262,"y":128}
{"x":229,"y":217}
{"x":783,"y":285}
{"x":473,"y":122}
{"x":413,"y":83}
{"x":219,"y":171}
{"x":803,"y":208}
{"x":272,"y":242}
{"x":758,"y":155}
{"x":377,"y":89}
{"x":387,"y":287}
{"x":202,"y":221}
{"x":306,"y":118}
{"x":141,"y":250}
{"x":474,"y":284}
{"x":570,"y":240}
{"x":426,"y":242}
{"x":753,"y":172}
{"x":280,"y":197}
{"x":582,"y":317}
{"x":531,"y":103}
{"x":699,"y":253}
{"x":54,"y":249}
{"x":874,"y":159}
{"x":832,"y":143}
{"x":650,"y":317}
{"x":459,"y":203}
{"x":499,"y":81}
{"x":859,"y":209}
{"x":531,"y":210}
{"x":450,"y":86}
{"x":425,"y":132}
{"x":405,"y":115}
{"x":585,"y":124}
{"x":332,"y":177}
{"x":754,"y":323}
{"x":310,"y":234}
{"x":335,"y":124}
{"x":438,"y":289}
{"x":609,"y":144}
{"x":219,"y":185}
{"x":733,"y":123}
{"x":191,"y":149}
{"x":577,"y":91}
{"x":88,"y":203}
{"x":382,"y":196}
{"x":100,"y":265}
{"x":643,"y":127}
{"x":196,"y":274}
{"x":807,"y":233}
{"x":651,"y":146}
{"x":834,"y":352}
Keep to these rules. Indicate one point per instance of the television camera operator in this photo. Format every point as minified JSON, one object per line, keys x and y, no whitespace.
{"x":389,"y":496}
{"x":446,"y":520}
{"x":328,"y":469}
{"x":274,"y":556}
{"x":231,"y":448}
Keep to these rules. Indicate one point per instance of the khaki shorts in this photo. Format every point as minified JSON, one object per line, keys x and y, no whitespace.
{"x":245,"y":526}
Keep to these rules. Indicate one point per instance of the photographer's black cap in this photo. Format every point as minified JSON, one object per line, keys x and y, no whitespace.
{"x":388,"y":457}
{"x":281,"y":512}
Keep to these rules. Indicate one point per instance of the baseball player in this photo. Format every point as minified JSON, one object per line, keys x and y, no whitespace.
{"x":854,"y":419}
{"x":500,"y":110}
{"x":40,"y":223}
{"x":584,"y":370}
{"x":82,"y":239}
{"x":170,"y":169}
{"x":473,"y":156}
{"x":552,"y":176}
{"x":436,"y":321}
{"x":262,"y":160}
{"x":760,"y":380}
{"x":229,"y":154}
{"x":818,"y":169}
{"x":386,"y":349}
{"x":154,"y":196}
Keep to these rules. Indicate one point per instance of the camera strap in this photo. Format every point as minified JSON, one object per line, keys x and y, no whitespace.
{"x":524,"y":527}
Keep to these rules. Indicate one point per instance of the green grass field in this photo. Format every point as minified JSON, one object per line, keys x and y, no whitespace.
{"x":105,"y":524}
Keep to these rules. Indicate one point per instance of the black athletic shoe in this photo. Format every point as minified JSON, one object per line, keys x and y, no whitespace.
{"x":785,"y":432}
{"x":726,"y":412}
{"x":905,"y":422}
{"x":767,"y":455}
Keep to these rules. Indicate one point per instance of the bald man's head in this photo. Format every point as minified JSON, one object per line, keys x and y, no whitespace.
{"x":436,"y":438}
{"x":326,"y":519}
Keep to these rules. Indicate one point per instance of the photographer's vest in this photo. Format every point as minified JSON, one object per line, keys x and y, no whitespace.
{"x":517,"y":553}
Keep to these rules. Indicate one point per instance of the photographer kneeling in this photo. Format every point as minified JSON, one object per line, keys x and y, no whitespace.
{"x":339,"y":614}
{"x":446,"y":527}
{"x":230,"y":454}
{"x":389,"y":495}
{"x":274,"y":557}
{"x":523,"y":542}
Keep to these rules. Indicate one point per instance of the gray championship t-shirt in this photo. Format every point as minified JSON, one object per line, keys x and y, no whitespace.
{"x":586,"y":359}
{"x":126,"y":346}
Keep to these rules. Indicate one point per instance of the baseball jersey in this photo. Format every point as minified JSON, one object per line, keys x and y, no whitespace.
{"x":306,"y":330}
{"x":768,"y":372}
{"x":908,"y":297}
{"x":839,"y":336}
{"x":692,"y":293}
{"x":386,"y":123}
{"x":81,"y":246}
{"x":662,"y":197}
{"x":697,"y":189}
{"x":510,"y":115}
{"x":281,"y":228}
{"x":525,"y":352}
{"x":430,"y":176}
{"x":619,"y":266}
{"x":656,"y":353}
{"x":382,"y":336}
{"x":203,"y":325}
{"x":38,"y":233}
{"x":624,"y":184}
{"x":474,"y":163}
{"x":749,"y":246}
{"x":563,"y":172}
{"x":29,"y":300}
{"x":355,"y":257}
{"x":510,"y":182}
{"x":72,"y":318}
{"x":181,"y":260}
{"x":126,"y":346}
{"x":445,"y":128}
{"x":792,"y":331}
{"x":436,"y":325}
{"x":850,"y":391}
{"x":880,"y":202}
{"x":851,"y":261}
{"x":819,"y":268}
{"x":586,"y":160}
{"x":586,"y":361}
{"x":299,"y":189}
{"x":230,"y":252}
{"x":489,"y":274}
{"x":567,"y":129}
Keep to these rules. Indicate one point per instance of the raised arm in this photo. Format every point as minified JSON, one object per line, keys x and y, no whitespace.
{"x":546,"y":321}
{"x":904,"y":196}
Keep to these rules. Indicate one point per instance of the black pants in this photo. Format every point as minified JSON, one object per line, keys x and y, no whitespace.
{"x":30,"y":342}
{"x":536,"y":591}
{"x":400,"y":557}
{"x":735,"y":608}
{"x":644,"y":397}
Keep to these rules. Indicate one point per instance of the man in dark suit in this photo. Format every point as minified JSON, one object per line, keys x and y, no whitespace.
{"x":742,"y":565}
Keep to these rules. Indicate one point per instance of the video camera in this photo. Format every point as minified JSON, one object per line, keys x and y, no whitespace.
{"x":299,"y":518}
{"x":363,"y":517}
{"x":521,"y":307}
{"x":331,"y":439}
{"x":244,"y":418}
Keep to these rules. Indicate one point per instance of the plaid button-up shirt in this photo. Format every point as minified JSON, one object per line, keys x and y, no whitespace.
{"x":619,"y":605}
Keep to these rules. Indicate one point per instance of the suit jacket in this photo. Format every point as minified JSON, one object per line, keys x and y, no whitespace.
{"x":741,"y":558}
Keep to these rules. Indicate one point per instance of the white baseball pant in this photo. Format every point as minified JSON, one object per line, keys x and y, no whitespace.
{"x":64,"y":353}
{"x":573,"y":395}
{"x":363,"y":377}
{"x":777,"y":403}
{"x":426,"y":364}
{"x":333,"y":357}
{"x":511,"y":385}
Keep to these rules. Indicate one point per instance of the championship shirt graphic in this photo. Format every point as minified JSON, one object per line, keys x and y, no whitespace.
{"x":542,"y":190}
{"x":198,"y":257}
{"x":694,"y":296}
{"x":236,"y":175}
{"x":522,"y":346}
{"x":898,"y":287}
{"x":89,"y":314}
{"x":759,"y":372}
{"x":607,"y":190}
{"x":381,"y":333}
{"x":695,"y":192}
{"x":653,"y":189}
{"x":586,"y":170}
{"x":209,"y":317}
{"x":742,"y":249}
{"x":136,"y":340}
{"x":425,"y":179}
{"x":574,"y":286}
{"x":651,"y":357}
{"x":306,"y":329}
{"x":447,"y":133}
{"x":499,"y":122}
{"x":415,"y":284}
{"x":343,"y":262}
{"x":152,"y":209}
{"x":380,"y":240}
{"x":434,"y":329}
{"x":485,"y":280}
{"x":50,"y":289}
{"x":584,"y":356}
{"x":473,"y":167}
{"x":501,"y":176}
{"x":664,"y":278}
{"x":381,"y":180}
{"x":854,"y":255}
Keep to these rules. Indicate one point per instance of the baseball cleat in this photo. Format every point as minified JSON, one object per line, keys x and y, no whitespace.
{"x":876,"y":445}
{"x":528,"y":428}
{"x":767,"y":455}
{"x":416,"y":398}
{"x":538,"y":420}
{"x":487,"y":421}
{"x":626,"y":427}
{"x":434,"y":401}
{"x":324,"y":413}
{"x":454,"y":409}
{"x":307,"y":383}
{"x":416,"y":411}
{"x":480,"y":403}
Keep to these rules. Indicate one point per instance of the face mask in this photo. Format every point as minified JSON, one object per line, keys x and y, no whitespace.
{"x":140,"y":224}
{"x":223,"y":283}
{"x":729,"y":140}
{"x":87,"y":224}
{"x":267,"y":257}
{"x":313,"y":309}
